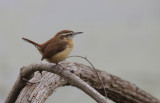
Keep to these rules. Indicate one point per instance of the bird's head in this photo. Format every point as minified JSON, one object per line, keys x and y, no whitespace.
{"x":67,"y":34}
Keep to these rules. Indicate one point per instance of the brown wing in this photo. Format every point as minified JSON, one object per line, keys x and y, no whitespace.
{"x":53,"y":48}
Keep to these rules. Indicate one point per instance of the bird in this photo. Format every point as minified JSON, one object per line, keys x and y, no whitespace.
{"x":58,"y":47}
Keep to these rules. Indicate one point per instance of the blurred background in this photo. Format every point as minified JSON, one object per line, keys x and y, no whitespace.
{"x":121,"y":37}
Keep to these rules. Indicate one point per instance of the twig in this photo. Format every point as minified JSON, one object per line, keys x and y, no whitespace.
{"x":95,"y":71}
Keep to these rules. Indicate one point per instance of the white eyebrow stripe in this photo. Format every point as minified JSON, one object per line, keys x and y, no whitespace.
{"x":67,"y":33}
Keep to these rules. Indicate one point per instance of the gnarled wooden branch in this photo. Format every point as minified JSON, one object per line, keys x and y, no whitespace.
{"x":118,"y":90}
{"x":65,"y":73}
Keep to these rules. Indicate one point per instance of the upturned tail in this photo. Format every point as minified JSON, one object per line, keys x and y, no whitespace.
{"x":32,"y":42}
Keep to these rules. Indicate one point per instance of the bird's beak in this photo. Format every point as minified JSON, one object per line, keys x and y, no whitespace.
{"x":75,"y":33}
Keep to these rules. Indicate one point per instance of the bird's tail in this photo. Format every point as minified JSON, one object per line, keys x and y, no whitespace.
{"x":32,"y":42}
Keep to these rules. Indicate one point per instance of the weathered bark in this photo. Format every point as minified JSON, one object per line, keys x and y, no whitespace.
{"x":71,"y":78}
{"x":42,"y":87}
{"x":118,"y":90}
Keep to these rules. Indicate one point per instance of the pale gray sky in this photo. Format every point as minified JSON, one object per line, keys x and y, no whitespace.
{"x":121,"y":37}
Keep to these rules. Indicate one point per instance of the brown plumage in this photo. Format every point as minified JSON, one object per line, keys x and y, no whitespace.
{"x":57,"y":48}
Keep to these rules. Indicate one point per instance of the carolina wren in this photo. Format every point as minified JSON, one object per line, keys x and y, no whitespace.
{"x":57,"y":48}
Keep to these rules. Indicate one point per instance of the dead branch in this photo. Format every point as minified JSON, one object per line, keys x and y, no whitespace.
{"x":118,"y":90}
{"x":71,"y":78}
